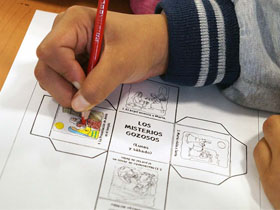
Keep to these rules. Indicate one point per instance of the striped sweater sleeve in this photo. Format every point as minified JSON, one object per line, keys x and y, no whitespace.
{"x":203,"y":42}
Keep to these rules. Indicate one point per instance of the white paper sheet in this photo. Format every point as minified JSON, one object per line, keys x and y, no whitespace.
{"x":151,"y":145}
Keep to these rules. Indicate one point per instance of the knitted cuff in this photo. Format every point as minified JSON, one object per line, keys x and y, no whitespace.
{"x":203,"y":42}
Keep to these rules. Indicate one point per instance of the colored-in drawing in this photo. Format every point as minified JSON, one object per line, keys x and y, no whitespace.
{"x":59,"y":125}
{"x":86,"y":131}
{"x":207,"y":149}
{"x":134,"y":185}
{"x":74,"y":125}
{"x":151,"y":102}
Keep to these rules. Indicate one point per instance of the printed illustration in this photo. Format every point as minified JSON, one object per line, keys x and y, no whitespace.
{"x":207,"y":149}
{"x":69,"y":121}
{"x":134,"y":185}
{"x":155,"y":101}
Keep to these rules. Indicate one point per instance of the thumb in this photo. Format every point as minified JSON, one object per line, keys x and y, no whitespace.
{"x":98,"y":85}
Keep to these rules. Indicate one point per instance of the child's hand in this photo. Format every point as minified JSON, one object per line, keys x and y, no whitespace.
{"x":267,"y":157}
{"x":135,"y":48}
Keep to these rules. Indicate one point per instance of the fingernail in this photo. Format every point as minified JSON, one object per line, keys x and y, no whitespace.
{"x":86,"y":114}
{"x":80,"y":104}
{"x":76,"y":85}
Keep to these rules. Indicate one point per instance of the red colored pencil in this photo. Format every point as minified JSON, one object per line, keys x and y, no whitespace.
{"x":97,"y":38}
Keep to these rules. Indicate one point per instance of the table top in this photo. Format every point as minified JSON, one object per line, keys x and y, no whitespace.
{"x":15,"y":17}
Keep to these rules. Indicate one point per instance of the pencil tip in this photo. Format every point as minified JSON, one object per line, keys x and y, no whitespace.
{"x":83,"y":121}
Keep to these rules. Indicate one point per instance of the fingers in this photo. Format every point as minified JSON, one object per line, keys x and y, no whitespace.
{"x":55,"y":84}
{"x":101,"y":81}
{"x":62,"y":60}
{"x":267,"y":159}
{"x":60,"y":52}
{"x":262,"y":155}
{"x":69,"y":37}
{"x":271,"y":130}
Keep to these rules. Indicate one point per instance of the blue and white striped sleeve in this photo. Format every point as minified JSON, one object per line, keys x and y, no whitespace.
{"x":203,"y":42}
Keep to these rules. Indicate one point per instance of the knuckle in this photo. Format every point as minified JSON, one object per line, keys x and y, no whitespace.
{"x":58,"y":18}
{"x":76,"y":12}
{"x":43,"y":51}
{"x":39,"y":51}
{"x":39,"y":74}
{"x":74,"y":9}
{"x":271,"y":123}
{"x":66,"y":104}
{"x":42,"y":87}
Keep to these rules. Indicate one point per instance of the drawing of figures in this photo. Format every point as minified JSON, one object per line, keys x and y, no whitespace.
{"x":138,"y":102}
{"x":74,"y":125}
{"x":134,"y":186}
{"x":205,"y":149}
{"x":159,"y":100}
{"x":150,"y":102}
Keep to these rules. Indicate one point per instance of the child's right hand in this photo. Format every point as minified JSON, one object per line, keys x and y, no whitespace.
{"x":267,"y":157}
{"x":135,"y":48}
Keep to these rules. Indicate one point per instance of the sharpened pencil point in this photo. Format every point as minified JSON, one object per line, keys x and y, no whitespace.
{"x":84,"y":122}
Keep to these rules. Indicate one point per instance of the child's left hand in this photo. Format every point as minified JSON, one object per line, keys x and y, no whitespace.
{"x":267,"y":157}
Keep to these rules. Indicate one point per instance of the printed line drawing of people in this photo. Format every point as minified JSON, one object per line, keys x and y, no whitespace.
{"x":138,"y":101}
{"x":198,"y":149}
{"x":155,"y":101}
{"x":134,"y":185}
{"x":146,"y":181}
{"x":159,"y":100}
{"x":143,"y":181}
